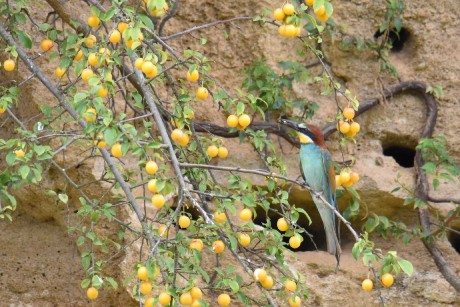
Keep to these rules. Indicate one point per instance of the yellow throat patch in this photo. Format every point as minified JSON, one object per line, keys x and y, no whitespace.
{"x":303,"y":139}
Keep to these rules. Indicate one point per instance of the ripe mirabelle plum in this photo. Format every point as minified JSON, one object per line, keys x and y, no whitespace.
{"x":223,"y":152}
{"x":349,"y":113}
{"x":278,"y":14}
{"x":354,"y":177}
{"x":176,"y":134}
{"x":268,"y":282}
{"x":193,"y":76}
{"x":93,"y":21}
{"x":288,"y":9}
{"x":367,"y":285}
{"x":158,"y":200}
{"x":143,"y":273}
{"x":244,"y":120}
{"x":232,"y":121}
{"x":344,"y":127}
{"x":90,"y":115}
{"x":151,"y":167}
{"x":90,"y":41}
{"x":355,"y":127}
{"x":122,"y":26}
{"x":115,"y":37}
{"x":294,"y":302}
{"x":196,"y":244}
{"x":145,"y":287}
{"x":244,"y":239}
{"x":344,"y":176}
{"x":184,"y":221}
{"x":218,"y":246}
{"x":220,"y":217}
{"x":152,"y":186}
{"x":92,"y":293}
{"x":183,"y":140}
{"x":46,"y":44}
{"x":186,"y":299}
{"x":260,"y":275}
{"x":223,"y":300}
{"x":164,"y":299}
{"x":60,"y":72}
{"x":246,"y":214}
{"x":9,"y":65}
{"x":387,"y":280}
{"x":86,"y":74}
{"x":295,"y":241}
{"x":290,"y":285}
{"x":212,"y":151}
{"x":282,"y":224}
{"x":202,"y":93}
{"x":196,"y":293}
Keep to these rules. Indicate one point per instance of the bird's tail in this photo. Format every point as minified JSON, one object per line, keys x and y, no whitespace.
{"x":328,"y":217}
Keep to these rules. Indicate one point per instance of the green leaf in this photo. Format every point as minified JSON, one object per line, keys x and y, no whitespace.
{"x":86,"y":260}
{"x":406,"y":266}
{"x":63,"y":197}
{"x":234,"y":286}
{"x":110,"y":136}
{"x":80,"y":97}
{"x":85,"y":283}
{"x":355,"y":251}
{"x":239,"y":108}
{"x":96,"y":281}
{"x":10,"y":158}
{"x":146,"y":20}
{"x":112,"y":282}
{"x":24,"y":171}
{"x":25,"y":39}
{"x":80,"y":240}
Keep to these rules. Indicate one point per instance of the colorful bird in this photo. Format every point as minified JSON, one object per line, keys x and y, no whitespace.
{"x":318,"y":172}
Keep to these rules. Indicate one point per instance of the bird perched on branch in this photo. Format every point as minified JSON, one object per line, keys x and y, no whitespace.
{"x":318,"y":172}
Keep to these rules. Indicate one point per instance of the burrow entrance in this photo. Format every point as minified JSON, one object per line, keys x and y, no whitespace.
{"x":404,"y":156}
{"x":398,"y":40}
{"x":454,"y":238}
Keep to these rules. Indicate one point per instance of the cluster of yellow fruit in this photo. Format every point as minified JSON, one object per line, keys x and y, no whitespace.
{"x":99,"y":141}
{"x":320,"y":11}
{"x":145,"y":287}
{"x":214,"y":151}
{"x":149,"y":68}
{"x":283,"y":226}
{"x":346,"y":178}
{"x":90,"y":115}
{"x":158,"y":200}
{"x":238,"y":122}
{"x":9,"y":65}
{"x":386,"y":280}
{"x":156,"y":12}
{"x":349,"y":127}
{"x":180,"y":137}
{"x":201,"y":92}
{"x":287,"y":29}
{"x":266,"y":281}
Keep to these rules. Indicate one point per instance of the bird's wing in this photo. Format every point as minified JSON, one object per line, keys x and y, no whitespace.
{"x":330,"y":180}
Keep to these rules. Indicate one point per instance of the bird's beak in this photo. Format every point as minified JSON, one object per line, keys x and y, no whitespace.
{"x":289,"y":123}
{"x":304,"y":132}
